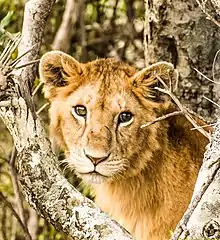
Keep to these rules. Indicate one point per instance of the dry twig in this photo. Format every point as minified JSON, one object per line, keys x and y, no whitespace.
{"x":162,"y":118}
{"x":9,"y":205}
{"x":181,"y":107}
{"x":36,"y":89}
{"x":15,"y":184}
{"x":204,"y":126}
{"x":207,"y":78}
{"x":208,"y":99}
{"x":207,"y":14}
{"x":213,"y":66}
{"x":42,"y":108}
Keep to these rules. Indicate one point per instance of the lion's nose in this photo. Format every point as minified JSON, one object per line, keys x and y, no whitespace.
{"x":96,"y":160}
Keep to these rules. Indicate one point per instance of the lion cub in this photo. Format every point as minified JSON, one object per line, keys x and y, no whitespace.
{"x":143,"y":177}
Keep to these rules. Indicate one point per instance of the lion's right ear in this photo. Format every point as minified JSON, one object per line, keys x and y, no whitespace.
{"x":56,"y":69}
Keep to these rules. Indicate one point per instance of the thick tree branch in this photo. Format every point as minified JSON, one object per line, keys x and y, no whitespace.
{"x":35,"y":17}
{"x":43,"y":184}
{"x":203,"y":211}
{"x":64,"y":33}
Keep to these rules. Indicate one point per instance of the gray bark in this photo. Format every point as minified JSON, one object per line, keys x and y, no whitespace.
{"x":179,"y":32}
{"x":207,"y":213}
{"x":202,"y":218}
{"x":43,"y":184}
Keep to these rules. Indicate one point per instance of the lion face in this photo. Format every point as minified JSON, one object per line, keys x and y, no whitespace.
{"x":97,"y":110}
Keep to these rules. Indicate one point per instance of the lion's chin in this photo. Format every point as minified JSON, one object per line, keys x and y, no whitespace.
{"x":93,"y":178}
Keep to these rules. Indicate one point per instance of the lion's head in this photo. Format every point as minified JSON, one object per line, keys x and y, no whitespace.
{"x":97,"y":110}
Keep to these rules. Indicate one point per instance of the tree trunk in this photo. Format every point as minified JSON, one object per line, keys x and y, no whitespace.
{"x":179,"y":32}
{"x":202,"y":218}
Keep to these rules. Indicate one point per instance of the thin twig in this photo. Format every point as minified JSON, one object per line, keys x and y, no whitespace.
{"x":204,"y":126}
{"x":180,"y":106}
{"x":162,"y":118}
{"x":6,"y":55}
{"x":207,"y":14}
{"x":208,"y":99}
{"x":9,"y":205}
{"x":36,"y":89}
{"x":213,"y":66}
{"x":27,"y":64}
{"x":11,"y":46}
{"x":18,"y":59}
{"x":42,"y":108}
{"x":5,"y":50}
{"x":15,"y":184}
{"x":209,"y":79}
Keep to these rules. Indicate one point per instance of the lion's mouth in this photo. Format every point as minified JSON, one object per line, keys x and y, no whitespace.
{"x":93,"y":177}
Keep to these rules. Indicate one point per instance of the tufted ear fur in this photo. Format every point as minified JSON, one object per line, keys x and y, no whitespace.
{"x":55,"y":69}
{"x":145,"y":81}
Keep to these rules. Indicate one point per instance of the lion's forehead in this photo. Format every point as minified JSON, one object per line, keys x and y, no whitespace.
{"x":94,"y":96}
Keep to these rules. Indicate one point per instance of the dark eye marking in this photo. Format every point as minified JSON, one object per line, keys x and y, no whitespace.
{"x":125,"y":117}
{"x":80,"y":110}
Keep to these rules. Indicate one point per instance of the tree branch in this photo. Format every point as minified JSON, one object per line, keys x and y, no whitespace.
{"x":64,"y":33}
{"x":205,"y":200}
{"x":166,"y":90}
{"x":43,"y":184}
{"x":15,"y":184}
{"x":8,"y":204}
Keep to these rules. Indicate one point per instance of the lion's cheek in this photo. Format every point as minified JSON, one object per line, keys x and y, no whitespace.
{"x":72,"y":132}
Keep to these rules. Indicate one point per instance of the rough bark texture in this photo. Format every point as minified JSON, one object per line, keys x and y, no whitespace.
{"x":35,"y":16}
{"x":205,"y":220}
{"x":181,"y":33}
{"x":43,"y":184}
{"x":202,"y":218}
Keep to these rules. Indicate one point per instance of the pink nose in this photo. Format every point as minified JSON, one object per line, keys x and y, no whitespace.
{"x":95,"y":160}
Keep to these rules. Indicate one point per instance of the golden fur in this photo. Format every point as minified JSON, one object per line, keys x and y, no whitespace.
{"x":146,"y":179}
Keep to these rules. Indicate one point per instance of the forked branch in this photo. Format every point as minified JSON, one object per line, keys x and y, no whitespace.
{"x":182,"y":110}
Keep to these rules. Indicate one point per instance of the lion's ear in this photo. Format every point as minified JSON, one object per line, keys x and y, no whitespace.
{"x":148,"y":78}
{"x":55,"y":69}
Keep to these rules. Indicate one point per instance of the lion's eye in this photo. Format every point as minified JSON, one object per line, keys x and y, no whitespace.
{"x":125,"y":117}
{"x":80,"y":110}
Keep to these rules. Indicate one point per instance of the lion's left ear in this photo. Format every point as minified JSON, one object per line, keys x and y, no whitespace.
{"x":148,"y":78}
{"x":55,"y":69}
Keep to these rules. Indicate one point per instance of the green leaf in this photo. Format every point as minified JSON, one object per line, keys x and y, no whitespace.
{"x":7,"y":19}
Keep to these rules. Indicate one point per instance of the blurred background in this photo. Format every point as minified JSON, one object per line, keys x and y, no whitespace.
{"x":177,"y":31}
